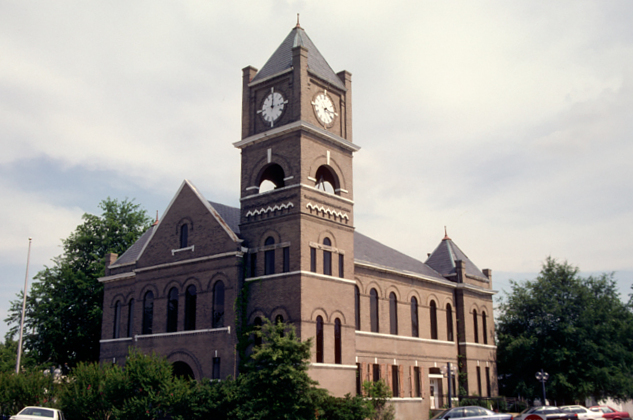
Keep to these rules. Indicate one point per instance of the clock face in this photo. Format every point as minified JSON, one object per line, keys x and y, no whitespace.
{"x":324,"y":108}
{"x":273,"y":107}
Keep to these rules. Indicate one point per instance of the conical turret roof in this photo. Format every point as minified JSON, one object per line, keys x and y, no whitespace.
{"x":443,"y":260}
{"x":281,"y":59}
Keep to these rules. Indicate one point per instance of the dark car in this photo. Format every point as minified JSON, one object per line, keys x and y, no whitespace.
{"x":547,"y":412}
{"x":471,"y":412}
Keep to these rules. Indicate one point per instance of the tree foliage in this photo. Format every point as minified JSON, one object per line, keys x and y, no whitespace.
{"x":576,"y":329}
{"x":63,"y":308}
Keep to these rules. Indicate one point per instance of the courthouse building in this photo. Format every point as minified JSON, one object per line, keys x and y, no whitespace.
{"x":372,"y":312}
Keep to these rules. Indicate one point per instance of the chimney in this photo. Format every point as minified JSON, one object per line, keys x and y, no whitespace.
{"x":109,"y":258}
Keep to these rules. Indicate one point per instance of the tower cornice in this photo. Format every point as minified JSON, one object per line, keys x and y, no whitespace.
{"x":297,"y":126}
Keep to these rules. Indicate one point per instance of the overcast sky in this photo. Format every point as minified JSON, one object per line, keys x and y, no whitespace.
{"x":508,"y":122}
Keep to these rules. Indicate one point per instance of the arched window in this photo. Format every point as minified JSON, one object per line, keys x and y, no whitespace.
{"x":415,"y":330}
{"x":117,"y":319}
{"x":182,"y":370}
{"x":148,"y":312}
{"x":326,"y":180}
{"x":449,"y":322}
{"x":484,"y":326}
{"x":319,"y":339}
{"x":272,"y":178}
{"x":393,"y":314}
{"x":218,"y":305}
{"x":475,"y":326}
{"x":269,"y":257}
{"x":172,"y":310}
{"x":338,"y":357}
{"x":433,"y":310}
{"x":357,"y":306}
{"x":184,"y":235}
{"x":373,"y":310}
{"x":258,"y":326}
{"x":190,"y":308}
{"x":327,"y":258}
{"x":130,"y":318}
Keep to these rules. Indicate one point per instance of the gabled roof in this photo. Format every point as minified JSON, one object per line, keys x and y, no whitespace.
{"x":132,"y":253}
{"x":281,"y":60}
{"x":443,"y":259}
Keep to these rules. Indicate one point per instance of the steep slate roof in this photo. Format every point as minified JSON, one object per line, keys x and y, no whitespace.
{"x":133,"y":252}
{"x":443,"y":259}
{"x":231,"y":215}
{"x":282,"y":59}
{"x":373,"y":252}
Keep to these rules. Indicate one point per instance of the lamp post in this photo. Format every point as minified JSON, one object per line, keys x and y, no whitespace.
{"x":542,"y":378}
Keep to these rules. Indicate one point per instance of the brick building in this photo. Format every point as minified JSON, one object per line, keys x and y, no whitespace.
{"x":372,"y":311}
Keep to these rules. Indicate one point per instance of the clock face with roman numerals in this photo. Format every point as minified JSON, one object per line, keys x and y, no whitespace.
{"x":272,"y":107}
{"x":324,"y":108}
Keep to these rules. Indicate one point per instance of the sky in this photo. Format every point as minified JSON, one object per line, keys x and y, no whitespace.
{"x":509,"y":123}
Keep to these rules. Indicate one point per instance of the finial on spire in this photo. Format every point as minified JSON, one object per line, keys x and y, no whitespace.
{"x":446,"y":235}
{"x":156,"y":222}
{"x":298,"y":26}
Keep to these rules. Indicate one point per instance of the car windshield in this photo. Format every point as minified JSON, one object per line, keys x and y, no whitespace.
{"x":38,"y":412}
{"x":440,"y":415}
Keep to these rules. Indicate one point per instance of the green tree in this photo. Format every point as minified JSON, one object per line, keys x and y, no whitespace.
{"x":274,"y":383}
{"x":379,"y":393}
{"x":63,"y":310}
{"x":576,"y":329}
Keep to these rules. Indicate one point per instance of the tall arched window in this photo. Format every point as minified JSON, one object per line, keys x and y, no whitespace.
{"x":130,"y":318}
{"x":449,"y":322}
{"x":357,"y":307}
{"x":484,"y":326}
{"x":415,"y":330}
{"x":258,"y":326}
{"x":190,"y":308}
{"x":117,"y":319}
{"x":269,"y":257}
{"x":338,"y":357}
{"x":373,"y":310}
{"x":218,"y":305}
{"x":319,"y":339}
{"x":393,"y":314}
{"x":326,"y":180}
{"x":475,"y":326}
{"x":148,"y":312}
{"x":172,"y":310}
{"x":327,"y":258}
{"x":433,"y":310}
{"x":184,"y":235}
{"x":272,"y":178}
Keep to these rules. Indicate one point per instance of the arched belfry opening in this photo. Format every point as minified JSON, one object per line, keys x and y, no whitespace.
{"x":326,"y":180}
{"x":272,"y":178}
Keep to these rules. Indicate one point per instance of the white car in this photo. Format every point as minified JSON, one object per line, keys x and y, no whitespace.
{"x":38,"y":413}
{"x":583,"y":412}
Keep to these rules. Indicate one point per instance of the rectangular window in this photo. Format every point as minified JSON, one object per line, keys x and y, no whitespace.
{"x":488,"y":382}
{"x":358,"y":380}
{"x":479,"y":381}
{"x":376,"y":372}
{"x":216,"y":368}
{"x":313,"y":261}
{"x":395,"y":381}
{"x":416,"y":382}
{"x":327,"y":263}
{"x":269,"y":262}
{"x":341,"y":265}
{"x":253,"y":265}
{"x":286,"y":259}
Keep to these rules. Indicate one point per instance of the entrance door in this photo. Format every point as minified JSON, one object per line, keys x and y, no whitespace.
{"x":435,"y":392}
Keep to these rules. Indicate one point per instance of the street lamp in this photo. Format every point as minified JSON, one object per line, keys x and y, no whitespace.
{"x":542,"y":378}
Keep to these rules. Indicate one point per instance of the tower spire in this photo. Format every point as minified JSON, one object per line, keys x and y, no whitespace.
{"x":298,"y":26}
{"x":446,"y":238}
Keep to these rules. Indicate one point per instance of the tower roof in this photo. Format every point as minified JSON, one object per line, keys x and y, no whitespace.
{"x":281,"y":59}
{"x":443,"y":259}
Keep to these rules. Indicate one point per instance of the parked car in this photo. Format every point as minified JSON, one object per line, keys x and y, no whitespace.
{"x":547,"y":412}
{"x":583,"y":412}
{"x":472,"y":412}
{"x":38,"y":413}
{"x":610,"y":413}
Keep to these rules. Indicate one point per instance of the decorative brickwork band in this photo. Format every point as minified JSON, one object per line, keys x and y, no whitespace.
{"x":269,"y":209}
{"x":327,"y":211}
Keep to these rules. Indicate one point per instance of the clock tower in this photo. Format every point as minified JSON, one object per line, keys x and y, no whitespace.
{"x":296,"y":194}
